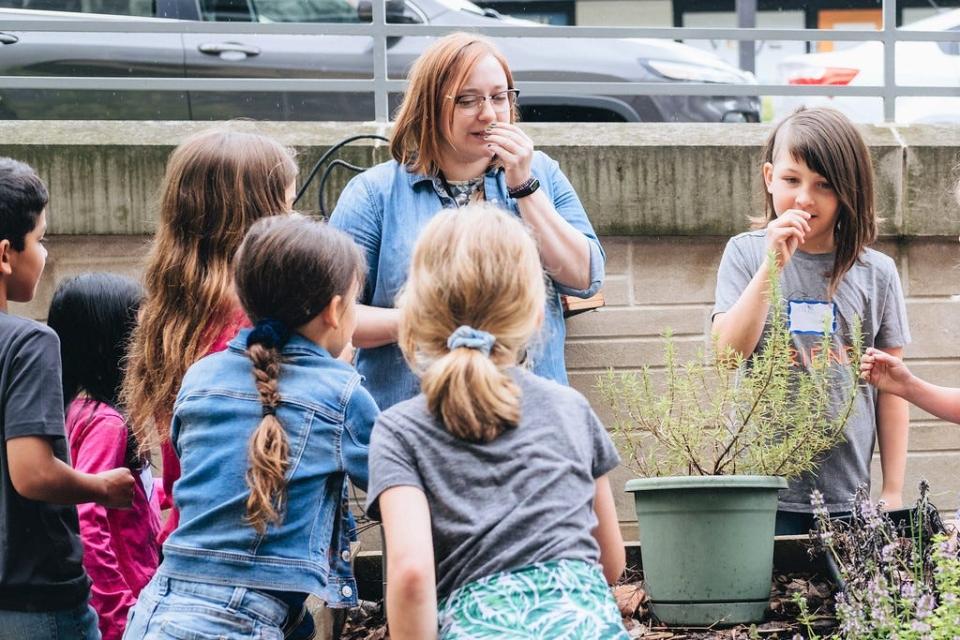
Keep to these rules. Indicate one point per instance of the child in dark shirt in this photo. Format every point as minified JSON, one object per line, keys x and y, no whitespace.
{"x":43,"y":587}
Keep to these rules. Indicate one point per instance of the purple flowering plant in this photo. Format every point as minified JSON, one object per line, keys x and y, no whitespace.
{"x":900,"y":580}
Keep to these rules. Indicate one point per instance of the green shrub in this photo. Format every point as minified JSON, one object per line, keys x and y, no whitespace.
{"x":727,"y":415}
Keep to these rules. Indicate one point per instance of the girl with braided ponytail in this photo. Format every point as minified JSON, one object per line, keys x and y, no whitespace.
{"x":267,"y":432}
{"x":492,"y":483}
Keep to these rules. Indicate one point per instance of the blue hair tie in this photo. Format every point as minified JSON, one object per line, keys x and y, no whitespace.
{"x":269,"y":332}
{"x":470,"y":338}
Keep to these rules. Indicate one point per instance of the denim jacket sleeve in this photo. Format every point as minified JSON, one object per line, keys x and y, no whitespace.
{"x":359,"y":416}
{"x":567,"y":204}
{"x":360,"y":216}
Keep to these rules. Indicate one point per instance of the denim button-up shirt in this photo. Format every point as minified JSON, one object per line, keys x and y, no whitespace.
{"x":385,"y":208}
{"x":328,"y":417}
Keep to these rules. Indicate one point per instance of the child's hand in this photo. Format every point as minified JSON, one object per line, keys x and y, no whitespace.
{"x":786,"y":233}
{"x":885,"y":372}
{"x":118,"y":487}
{"x":892,"y":501}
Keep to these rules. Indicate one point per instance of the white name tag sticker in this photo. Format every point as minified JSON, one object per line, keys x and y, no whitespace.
{"x":146,"y":478}
{"x":811,"y":316}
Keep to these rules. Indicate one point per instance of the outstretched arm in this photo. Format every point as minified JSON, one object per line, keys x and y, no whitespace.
{"x":412,"y":588}
{"x":36,"y":474}
{"x":889,"y":374}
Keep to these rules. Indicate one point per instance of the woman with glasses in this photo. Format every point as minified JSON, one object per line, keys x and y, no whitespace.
{"x":455,"y":141}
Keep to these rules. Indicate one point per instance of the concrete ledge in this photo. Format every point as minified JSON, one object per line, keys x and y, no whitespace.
{"x":790,"y":554}
{"x":634,"y":179}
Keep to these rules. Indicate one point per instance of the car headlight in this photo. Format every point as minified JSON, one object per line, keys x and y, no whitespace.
{"x":699,"y":73}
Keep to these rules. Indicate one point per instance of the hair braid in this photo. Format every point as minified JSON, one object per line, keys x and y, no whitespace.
{"x":269,"y":449}
{"x":281,"y":254}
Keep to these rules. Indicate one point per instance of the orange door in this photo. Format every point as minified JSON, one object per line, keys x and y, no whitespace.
{"x":866,"y":19}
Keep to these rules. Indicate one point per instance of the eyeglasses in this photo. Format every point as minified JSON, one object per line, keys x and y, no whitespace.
{"x":473,"y":104}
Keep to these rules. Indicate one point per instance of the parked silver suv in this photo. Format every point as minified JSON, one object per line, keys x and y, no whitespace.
{"x":193,"y":54}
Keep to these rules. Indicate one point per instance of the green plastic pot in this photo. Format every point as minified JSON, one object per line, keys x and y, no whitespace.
{"x":707,"y":546}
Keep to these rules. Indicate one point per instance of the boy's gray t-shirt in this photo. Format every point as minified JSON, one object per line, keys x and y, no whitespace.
{"x":40,"y":549}
{"x":870,"y":290}
{"x":525,"y":497}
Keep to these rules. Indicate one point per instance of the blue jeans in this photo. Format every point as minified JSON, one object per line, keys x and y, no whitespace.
{"x":79,"y":623}
{"x":171,"y":609}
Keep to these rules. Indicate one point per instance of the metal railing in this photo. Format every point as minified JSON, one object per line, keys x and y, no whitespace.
{"x":381,"y":85}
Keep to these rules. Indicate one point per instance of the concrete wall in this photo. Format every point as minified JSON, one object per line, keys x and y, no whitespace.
{"x":664,"y":197}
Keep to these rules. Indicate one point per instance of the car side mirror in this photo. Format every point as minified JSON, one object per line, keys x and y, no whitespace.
{"x":396,"y":12}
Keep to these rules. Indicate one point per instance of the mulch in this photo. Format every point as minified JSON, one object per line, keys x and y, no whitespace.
{"x":368,"y":622}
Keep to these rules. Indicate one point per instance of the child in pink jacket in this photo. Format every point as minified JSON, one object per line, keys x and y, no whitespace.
{"x":93,"y":314}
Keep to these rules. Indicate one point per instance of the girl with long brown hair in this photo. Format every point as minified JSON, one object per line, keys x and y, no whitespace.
{"x":217,"y":184}
{"x":819,"y":220}
{"x":267,"y":432}
{"x":492,"y":483}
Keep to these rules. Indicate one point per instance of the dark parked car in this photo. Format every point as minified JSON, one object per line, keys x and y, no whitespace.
{"x":127,"y":53}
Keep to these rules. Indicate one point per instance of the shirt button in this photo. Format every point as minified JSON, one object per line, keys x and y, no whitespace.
{"x":346,"y":591}
{"x":345,"y":556}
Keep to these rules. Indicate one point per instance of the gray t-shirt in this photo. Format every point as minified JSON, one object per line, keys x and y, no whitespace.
{"x":870,"y":290}
{"x":525,"y":497}
{"x":40,"y":550}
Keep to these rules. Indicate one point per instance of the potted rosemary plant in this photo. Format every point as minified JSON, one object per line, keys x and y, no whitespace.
{"x":713,"y":440}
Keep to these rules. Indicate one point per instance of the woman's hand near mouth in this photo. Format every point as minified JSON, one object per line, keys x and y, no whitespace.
{"x":514,"y":148}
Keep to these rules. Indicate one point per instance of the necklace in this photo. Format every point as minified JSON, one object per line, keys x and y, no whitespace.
{"x":463,"y":191}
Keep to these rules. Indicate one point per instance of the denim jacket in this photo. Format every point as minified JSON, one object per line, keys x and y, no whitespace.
{"x":327,"y":416}
{"x":385,"y":208}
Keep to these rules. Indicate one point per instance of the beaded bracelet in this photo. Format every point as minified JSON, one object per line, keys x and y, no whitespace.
{"x":524,"y":189}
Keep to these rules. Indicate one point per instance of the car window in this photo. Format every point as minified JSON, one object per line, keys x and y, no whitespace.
{"x":278,"y":10}
{"x":226,"y":11}
{"x":142,"y":8}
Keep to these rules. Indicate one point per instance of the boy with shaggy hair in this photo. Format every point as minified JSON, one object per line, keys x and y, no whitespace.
{"x":43,"y":587}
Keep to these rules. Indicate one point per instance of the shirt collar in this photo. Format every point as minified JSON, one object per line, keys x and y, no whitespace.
{"x":296,"y":343}
{"x":416,"y":178}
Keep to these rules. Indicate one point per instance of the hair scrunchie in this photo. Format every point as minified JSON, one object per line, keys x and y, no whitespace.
{"x":269,"y":332}
{"x":470,"y":338}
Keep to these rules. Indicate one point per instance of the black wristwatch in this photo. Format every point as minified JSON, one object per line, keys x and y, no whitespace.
{"x":524,"y":189}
